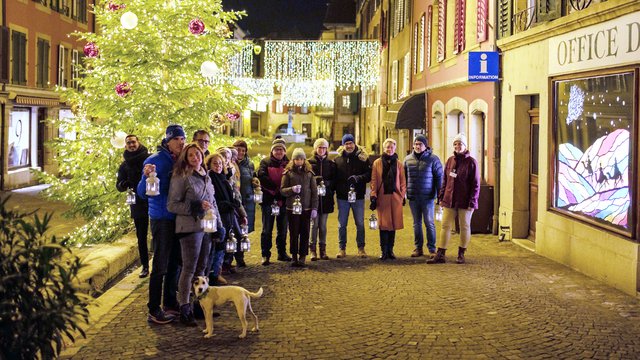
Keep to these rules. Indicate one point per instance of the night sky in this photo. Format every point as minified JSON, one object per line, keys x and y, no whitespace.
{"x":269,"y":16}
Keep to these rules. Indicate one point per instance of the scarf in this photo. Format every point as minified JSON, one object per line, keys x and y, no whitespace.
{"x":389,"y":172}
{"x":135,"y":159}
{"x":223,"y":189}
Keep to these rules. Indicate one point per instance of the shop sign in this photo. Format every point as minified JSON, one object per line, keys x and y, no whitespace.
{"x":615,"y":42}
{"x":484,"y":66}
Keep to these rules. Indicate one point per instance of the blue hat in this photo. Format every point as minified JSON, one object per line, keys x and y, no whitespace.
{"x":348,"y":137}
{"x":422,"y":139}
{"x":174,"y":131}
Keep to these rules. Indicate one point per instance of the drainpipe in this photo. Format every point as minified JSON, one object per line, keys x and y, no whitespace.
{"x":497,"y":93}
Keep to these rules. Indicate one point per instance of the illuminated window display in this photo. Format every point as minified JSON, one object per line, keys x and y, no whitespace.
{"x":19,"y":138}
{"x":594,"y":123}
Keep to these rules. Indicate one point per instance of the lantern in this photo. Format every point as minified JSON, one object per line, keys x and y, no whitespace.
{"x":244,"y":229}
{"x":209,"y":222}
{"x":131,"y":197}
{"x":438,"y":213}
{"x":153,"y":185}
{"x":230,"y":245}
{"x":373,"y":222}
{"x":322,"y":189}
{"x":275,"y":209}
{"x":297,"y":206}
{"x":351,"y":197}
{"x":245,"y":244}
{"x":257,"y":196}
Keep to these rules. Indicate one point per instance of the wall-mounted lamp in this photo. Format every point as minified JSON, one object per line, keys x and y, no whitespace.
{"x":257,"y":49}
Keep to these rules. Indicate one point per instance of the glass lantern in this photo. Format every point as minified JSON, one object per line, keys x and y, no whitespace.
{"x":351,"y":197}
{"x":438,"y":215}
{"x":245,"y":244}
{"x":131,"y":197}
{"x":244,"y":230}
{"x":275,"y":209}
{"x":231,"y":245}
{"x":209,"y":222}
{"x":373,"y":222}
{"x":153,"y":185}
{"x":322,"y":189}
{"x":257,"y":196}
{"x":297,"y":206}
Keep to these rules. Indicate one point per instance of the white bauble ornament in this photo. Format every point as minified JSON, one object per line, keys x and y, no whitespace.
{"x":129,"y":20}
{"x":208,"y":69}
{"x":118,"y":140}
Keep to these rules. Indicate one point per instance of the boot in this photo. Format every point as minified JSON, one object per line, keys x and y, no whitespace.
{"x":301,"y":261}
{"x":323,"y":252}
{"x":383,"y":249}
{"x":221,"y":281}
{"x":186,"y":315}
{"x":417,"y":252}
{"x":341,"y":254}
{"x":362,"y":253}
{"x":283,"y":257}
{"x":314,"y":254}
{"x":460,"y":259}
{"x":390,"y":245}
{"x":439,"y":258}
{"x":265,"y":261}
{"x":294,"y":260}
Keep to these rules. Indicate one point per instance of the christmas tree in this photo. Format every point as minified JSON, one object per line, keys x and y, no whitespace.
{"x":149,"y":64}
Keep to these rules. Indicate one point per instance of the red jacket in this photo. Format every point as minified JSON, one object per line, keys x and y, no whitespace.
{"x":461,"y":182}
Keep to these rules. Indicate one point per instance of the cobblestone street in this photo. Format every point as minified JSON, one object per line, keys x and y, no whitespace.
{"x":506,"y":302}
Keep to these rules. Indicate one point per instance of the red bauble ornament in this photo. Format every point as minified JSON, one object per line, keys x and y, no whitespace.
{"x":233,"y":116}
{"x":115,"y":7}
{"x":196,"y":26}
{"x":91,"y":50}
{"x":123,"y":89}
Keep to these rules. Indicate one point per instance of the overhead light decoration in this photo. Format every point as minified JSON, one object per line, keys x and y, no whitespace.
{"x":308,"y":93}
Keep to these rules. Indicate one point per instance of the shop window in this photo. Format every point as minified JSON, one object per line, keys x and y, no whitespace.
{"x":64,"y":131}
{"x":594,"y":129}
{"x":19,"y":138}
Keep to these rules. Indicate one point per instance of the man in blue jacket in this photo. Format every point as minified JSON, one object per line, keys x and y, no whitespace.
{"x":163,"y":228}
{"x":423,"y":170}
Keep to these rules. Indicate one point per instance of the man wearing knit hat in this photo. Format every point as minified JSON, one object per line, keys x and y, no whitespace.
{"x":423,"y":170}
{"x":353,"y":169}
{"x":166,"y":245}
{"x":270,"y":176}
{"x":247,"y":171}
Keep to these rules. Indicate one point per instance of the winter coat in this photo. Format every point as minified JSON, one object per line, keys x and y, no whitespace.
{"x":128,"y":176}
{"x":461,"y":190}
{"x":357,"y":163}
{"x":389,"y":206}
{"x":325,"y":170}
{"x":270,"y":176}
{"x":224,"y":194}
{"x":309,"y":191}
{"x":186,"y":194}
{"x":164,"y":166}
{"x":423,"y":174}
{"x":247,"y":171}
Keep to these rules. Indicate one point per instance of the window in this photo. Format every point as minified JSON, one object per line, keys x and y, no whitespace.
{"x":18,"y":58}
{"x":459,"y":26}
{"x":406,"y":78}
{"x":19,"y":138}
{"x":42,"y":71}
{"x":594,"y":132}
{"x":394,"y":81}
{"x":64,"y":66}
{"x":79,"y":11}
{"x":66,"y":116}
{"x":278,"y":107}
{"x":442,"y":18}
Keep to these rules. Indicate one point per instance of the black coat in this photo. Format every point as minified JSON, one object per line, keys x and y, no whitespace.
{"x":355,"y":164}
{"x":129,"y":175}
{"x":325,"y":170}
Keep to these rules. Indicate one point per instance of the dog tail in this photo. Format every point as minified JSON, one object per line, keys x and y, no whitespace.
{"x":256,"y":294}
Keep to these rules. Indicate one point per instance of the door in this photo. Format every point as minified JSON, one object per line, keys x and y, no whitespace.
{"x":42,"y":127}
{"x":534,"y":135}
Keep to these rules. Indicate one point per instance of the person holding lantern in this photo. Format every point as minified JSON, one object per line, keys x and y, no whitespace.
{"x":273,"y":209}
{"x":299,"y":187}
{"x":247,"y":172}
{"x":128,"y":176}
{"x":388,"y":187}
{"x":325,"y":171}
{"x":191,"y":195}
{"x":232,"y":174}
{"x":166,"y":247}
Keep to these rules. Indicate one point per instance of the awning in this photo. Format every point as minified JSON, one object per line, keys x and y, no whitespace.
{"x":412,"y":113}
{"x":37,"y":101}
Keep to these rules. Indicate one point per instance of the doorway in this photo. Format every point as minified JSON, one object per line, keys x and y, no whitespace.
{"x":534,"y":136}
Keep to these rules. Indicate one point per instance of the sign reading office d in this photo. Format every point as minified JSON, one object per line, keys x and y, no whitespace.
{"x":484,"y":66}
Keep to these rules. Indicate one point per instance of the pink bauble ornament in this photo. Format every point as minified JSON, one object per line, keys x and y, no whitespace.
{"x":196,"y":26}
{"x":115,"y":7}
{"x":233,"y":116}
{"x":91,"y":50}
{"x":123,"y":89}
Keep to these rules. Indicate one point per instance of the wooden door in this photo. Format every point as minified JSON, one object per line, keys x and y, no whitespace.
{"x":534,"y":137}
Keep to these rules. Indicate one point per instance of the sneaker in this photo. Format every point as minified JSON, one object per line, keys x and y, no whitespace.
{"x":417,"y":253}
{"x":341,"y":254}
{"x":186,"y":316}
{"x":160,"y":317}
{"x":144,"y":273}
{"x":221,"y":281}
{"x":170,"y":310}
{"x":362,"y":253}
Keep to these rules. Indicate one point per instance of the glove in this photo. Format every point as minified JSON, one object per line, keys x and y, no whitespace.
{"x":374,"y":203}
{"x":353,"y":179}
{"x":404,"y":202}
{"x":314,"y":213}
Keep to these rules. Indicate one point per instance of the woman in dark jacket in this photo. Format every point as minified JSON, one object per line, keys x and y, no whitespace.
{"x":325,"y":171}
{"x":459,"y":194}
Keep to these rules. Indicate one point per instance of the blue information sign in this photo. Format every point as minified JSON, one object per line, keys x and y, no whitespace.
{"x":484,"y":66}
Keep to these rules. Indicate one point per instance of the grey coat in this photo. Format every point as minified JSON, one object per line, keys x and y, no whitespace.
{"x":186,"y":194}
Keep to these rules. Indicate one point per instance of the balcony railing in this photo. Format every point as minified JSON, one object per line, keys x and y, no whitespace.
{"x":524,"y":19}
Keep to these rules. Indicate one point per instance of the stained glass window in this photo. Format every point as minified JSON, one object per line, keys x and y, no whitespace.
{"x":594,"y":127}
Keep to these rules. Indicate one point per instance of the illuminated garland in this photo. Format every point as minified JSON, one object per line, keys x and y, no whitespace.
{"x":307,"y":93}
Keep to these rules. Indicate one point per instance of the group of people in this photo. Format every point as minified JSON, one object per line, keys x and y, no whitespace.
{"x":298,"y":195}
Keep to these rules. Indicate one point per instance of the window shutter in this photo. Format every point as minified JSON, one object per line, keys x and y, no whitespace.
{"x":481,"y":25}
{"x":45,"y":58}
{"x":549,"y":9}
{"x":505,"y":12}
{"x":4,"y":54}
{"x":442,"y":17}
{"x":421,"y":45}
{"x":429,"y":32}
{"x":39,"y":63}
{"x":459,"y":27}
{"x":75,"y":68}
{"x":415,"y":48}
{"x":62,"y":76}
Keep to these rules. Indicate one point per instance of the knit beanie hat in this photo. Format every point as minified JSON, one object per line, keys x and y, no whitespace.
{"x":174,"y":131}
{"x":320,"y":142}
{"x":240,"y":143}
{"x":347,"y":138}
{"x":278,"y":143}
{"x":298,"y":153}
{"x":422,"y":139}
{"x":462,"y":138}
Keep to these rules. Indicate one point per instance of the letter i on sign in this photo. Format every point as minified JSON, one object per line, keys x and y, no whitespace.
{"x":483,"y":63}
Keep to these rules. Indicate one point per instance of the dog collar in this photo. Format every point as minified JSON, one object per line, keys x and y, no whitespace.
{"x":204,"y":293}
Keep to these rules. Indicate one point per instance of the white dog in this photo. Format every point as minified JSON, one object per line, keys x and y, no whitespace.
{"x":210,"y":296}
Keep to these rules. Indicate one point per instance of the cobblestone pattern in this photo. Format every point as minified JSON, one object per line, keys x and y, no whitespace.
{"x":505,"y":303}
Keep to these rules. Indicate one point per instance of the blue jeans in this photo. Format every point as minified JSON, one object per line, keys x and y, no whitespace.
{"x":422,"y":210}
{"x":165,"y":266}
{"x":250,"y":208}
{"x":343,"y":218}
{"x":268,"y":221}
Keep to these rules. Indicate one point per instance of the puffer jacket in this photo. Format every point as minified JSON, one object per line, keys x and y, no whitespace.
{"x":461,"y":184}
{"x":424,"y":175}
{"x":270,"y":176}
{"x":357,"y":163}
{"x":186,"y":195}
{"x":324,"y":170}
{"x":164,"y":167}
{"x":309,"y":191}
